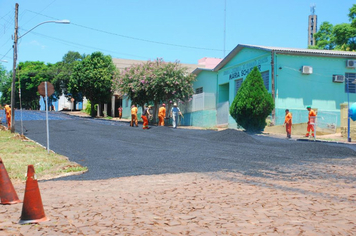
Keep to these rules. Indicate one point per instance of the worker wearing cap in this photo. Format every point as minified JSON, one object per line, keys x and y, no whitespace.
{"x":134,"y":116}
{"x":8,"y":115}
{"x":145,"y":116}
{"x":311,"y":121}
{"x":161,"y":115}
{"x":175,"y":112}
{"x":288,"y":123}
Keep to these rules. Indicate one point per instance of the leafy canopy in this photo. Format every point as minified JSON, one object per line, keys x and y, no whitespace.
{"x":93,"y":78}
{"x":252,"y":103}
{"x":338,"y":37}
{"x":155,"y":81}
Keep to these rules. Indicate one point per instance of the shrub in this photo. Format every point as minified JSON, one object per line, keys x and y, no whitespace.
{"x":252,"y":103}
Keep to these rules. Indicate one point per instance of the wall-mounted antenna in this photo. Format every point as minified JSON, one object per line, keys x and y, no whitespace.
{"x":312,"y":9}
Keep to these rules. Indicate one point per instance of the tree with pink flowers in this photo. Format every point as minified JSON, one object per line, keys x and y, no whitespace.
{"x":155,"y":82}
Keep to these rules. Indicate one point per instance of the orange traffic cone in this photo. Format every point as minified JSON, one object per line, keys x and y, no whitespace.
{"x":7,"y":192}
{"x":32,"y":209}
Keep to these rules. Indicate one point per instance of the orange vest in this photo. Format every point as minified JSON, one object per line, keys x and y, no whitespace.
{"x":288,"y":119}
{"x":134,"y":111}
{"x":162,"y":111}
{"x":311,"y":113}
{"x":8,"y":111}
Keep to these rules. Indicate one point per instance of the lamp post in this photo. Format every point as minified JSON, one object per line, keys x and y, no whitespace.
{"x":348,"y":108}
{"x":16,"y":38}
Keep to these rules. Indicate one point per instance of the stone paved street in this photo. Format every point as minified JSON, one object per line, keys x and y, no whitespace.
{"x":219,"y":203}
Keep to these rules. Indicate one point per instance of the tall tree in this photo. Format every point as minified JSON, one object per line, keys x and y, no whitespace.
{"x":5,"y":86}
{"x":93,"y":78}
{"x":252,"y":103}
{"x":30,"y":74}
{"x":338,"y":37}
{"x":324,"y":38}
{"x":63,"y":70}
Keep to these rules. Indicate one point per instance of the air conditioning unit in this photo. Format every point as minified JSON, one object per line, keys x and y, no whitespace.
{"x":351,"y":63}
{"x":307,"y":70}
{"x":338,"y":78}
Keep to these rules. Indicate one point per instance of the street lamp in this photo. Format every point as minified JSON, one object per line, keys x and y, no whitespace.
{"x":15,"y":59}
{"x":348,"y":108}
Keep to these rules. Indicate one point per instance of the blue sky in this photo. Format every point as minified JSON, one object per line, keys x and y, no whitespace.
{"x":184,"y":30}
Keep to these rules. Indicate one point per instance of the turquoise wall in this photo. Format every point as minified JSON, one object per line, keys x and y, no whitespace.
{"x":203,"y":118}
{"x":207,"y":80}
{"x":223,"y":92}
{"x":295,"y":90}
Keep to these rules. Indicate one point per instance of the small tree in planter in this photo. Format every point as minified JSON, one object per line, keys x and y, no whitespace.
{"x":252,"y":103}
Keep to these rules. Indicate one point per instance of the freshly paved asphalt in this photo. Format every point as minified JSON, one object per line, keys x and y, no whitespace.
{"x":113,"y":149}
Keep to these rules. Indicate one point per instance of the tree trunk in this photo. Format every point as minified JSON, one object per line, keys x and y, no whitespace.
{"x":92,"y":110}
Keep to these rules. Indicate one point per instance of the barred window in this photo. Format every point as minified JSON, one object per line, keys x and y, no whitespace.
{"x":238,"y":83}
{"x":199,"y":90}
{"x":265,"y":77}
{"x":349,"y":82}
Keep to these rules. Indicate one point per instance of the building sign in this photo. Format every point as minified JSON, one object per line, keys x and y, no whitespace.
{"x":245,"y":69}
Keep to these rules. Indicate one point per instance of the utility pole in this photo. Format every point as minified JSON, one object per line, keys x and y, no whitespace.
{"x":14,"y":71}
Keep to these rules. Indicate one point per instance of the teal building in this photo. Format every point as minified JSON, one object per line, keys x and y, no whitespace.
{"x":296,"y":78}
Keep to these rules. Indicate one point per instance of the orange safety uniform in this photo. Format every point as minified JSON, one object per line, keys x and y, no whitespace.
{"x":161,"y":115}
{"x":120,"y":112}
{"x":288,"y":123}
{"x":134,"y":117}
{"x":146,"y":114}
{"x":8,"y":115}
{"x":312,"y":115}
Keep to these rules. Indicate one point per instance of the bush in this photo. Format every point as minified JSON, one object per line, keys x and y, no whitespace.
{"x":88,"y":107}
{"x":252,"y":103}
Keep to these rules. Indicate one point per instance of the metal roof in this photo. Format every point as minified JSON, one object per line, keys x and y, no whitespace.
{"x":280,"y":50}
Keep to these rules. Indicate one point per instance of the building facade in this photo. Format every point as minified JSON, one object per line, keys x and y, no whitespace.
{"x":295,"y":78}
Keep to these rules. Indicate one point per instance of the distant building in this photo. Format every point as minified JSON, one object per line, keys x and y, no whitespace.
{"x":312,"y":26}
{"x":118,"y":99}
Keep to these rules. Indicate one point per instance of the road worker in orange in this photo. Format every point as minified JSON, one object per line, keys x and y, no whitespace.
{"x":134,"y":120}
{"x":288,"y":123}
{"x":8,"y":115}
{"x":161,"y":115}
{"x":145,"y":116}
{"x":311,"y":121}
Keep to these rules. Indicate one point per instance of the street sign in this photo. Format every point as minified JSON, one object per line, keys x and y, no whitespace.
{"x":42,"y":89}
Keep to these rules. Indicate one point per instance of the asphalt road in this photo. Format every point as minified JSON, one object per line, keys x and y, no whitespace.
{"x":113,"y":149}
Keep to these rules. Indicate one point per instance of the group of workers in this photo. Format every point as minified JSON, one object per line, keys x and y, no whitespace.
{"x":146,"y":115}
{"x":8,"y":115}
{"x":310,"y":126}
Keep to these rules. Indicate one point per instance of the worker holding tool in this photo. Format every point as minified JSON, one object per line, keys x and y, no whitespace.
{"x":175,"y":112}
{"x":145,"y":116}
{"x":311,"y":121}
{"x":288,"y":123}
{"x":161,"y":115}
{"x":134,"y":120}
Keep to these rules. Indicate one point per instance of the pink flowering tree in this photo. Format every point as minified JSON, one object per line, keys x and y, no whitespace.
{"x":155,"y":82}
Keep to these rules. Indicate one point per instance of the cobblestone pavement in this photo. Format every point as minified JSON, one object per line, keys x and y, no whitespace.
{"x":315,"y":199}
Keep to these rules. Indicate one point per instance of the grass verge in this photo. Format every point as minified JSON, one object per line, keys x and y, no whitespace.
{"x":17,"y":152}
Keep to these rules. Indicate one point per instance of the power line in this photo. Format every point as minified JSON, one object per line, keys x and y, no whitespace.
{"x":80,"y":45}
{"x":130,"y":37}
